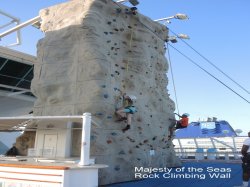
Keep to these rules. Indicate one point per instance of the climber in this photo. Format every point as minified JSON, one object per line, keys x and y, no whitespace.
{"x":126,"y":112}
{"x":178,"y":124}
{"x":183,"y":122}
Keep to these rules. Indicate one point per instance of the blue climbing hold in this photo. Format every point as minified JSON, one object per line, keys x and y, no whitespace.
{"x":117,"y":168}
{"x":98,"y":113}
{"x":113,"y":133}
{"x":121,"y":153}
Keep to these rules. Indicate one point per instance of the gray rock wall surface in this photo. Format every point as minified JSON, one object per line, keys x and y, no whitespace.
{"x":91,"y":50}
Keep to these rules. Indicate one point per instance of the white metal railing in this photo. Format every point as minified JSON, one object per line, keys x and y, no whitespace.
{"x":223,"y":147}
{"x":13,"y":20}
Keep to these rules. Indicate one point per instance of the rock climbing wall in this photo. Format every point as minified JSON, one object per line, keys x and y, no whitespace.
{"x":91,"y":51}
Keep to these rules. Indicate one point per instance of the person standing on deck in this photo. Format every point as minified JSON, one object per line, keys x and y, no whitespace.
{"x":245,"y":151}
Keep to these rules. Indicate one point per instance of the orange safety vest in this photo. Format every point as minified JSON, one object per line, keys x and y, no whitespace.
{"x":184,"y":121}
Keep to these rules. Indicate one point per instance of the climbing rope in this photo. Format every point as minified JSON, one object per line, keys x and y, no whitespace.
{"x":196,"y":64}
{"x":130,"y":46}
{"x":212,"y":64}
{"x":172,"y":75}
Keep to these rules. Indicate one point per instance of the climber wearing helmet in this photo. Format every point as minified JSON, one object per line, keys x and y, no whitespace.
{"x":183,"y":122}
{"x":178,"y":124}
{"x":128,"y":109}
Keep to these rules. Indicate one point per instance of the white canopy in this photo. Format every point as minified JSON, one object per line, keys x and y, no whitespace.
{"x":22,"y":122}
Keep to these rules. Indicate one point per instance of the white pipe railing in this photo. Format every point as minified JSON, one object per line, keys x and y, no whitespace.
{"x":18,"y":27}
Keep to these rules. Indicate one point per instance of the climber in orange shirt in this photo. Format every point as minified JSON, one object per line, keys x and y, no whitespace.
{"x":183,"y":122}
{"x":178,"y":124}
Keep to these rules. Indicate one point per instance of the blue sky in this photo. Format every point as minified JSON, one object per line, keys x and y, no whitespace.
{"x":219,"y":30}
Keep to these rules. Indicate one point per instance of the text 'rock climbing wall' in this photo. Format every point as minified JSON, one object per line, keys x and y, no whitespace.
{"x":91,"y":51}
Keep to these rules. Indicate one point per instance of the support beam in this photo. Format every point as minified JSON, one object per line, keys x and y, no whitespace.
{"x":14,"y":88}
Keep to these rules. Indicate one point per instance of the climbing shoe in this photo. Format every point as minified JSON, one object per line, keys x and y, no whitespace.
{"x":126,"y":128}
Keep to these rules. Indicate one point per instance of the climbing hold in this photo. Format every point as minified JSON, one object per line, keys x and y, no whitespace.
{"x":117,"y":168}
{"x":113,"y":133}
{"x":154,"y":138}
{"x":121,"y":153}
{"x":131,"y":140}
{"x":109,"y":117}
{"x":98,"y":113}
{"x":145,"y":141}
{"x":133,"y":10}
{"x":118,"y":10}
{"x":139,"y":120}
{"x":105,"y":96}
{"x":109,"y":22}
{"x":105,"y":33}
{"x":103,"y":86}
{"x":109,"y":141}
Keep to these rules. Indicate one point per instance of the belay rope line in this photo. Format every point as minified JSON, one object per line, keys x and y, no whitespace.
{"x":127,"y":68}
{"x":172,"y":75}
{"x":130,"y":46}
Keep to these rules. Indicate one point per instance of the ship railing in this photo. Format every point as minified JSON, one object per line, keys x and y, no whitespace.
{"x":209,"y":154}
{"x":210,"y":147}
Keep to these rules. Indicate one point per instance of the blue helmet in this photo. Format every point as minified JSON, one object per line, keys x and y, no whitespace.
{"x":185,"y":114}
